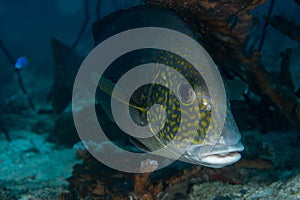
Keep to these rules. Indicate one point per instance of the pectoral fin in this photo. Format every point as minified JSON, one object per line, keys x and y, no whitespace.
{"x":107,"y":87}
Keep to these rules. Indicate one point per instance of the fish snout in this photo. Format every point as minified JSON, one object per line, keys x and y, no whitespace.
{"x":215,"y":156}
{"x":221,"y":151}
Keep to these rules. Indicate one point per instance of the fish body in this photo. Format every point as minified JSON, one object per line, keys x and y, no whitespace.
{"x":159,"y":107}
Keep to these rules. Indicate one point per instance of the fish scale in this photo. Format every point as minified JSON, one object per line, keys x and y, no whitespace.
{"x":162,"y":95}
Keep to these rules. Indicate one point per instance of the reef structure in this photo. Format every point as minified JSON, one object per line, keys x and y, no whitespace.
{"x":223,"y":28}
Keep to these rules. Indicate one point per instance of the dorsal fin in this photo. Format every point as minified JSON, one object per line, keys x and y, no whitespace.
{"x":66,"y":64}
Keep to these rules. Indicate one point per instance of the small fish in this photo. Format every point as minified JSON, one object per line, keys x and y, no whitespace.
{"x":212,"y":150}
{"x":21,"y":63}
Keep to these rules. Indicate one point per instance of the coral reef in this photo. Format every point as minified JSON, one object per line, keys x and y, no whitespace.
{"x":223,"y":25}
{"x":264,"y":167}
{"x":288,"y":189}
{"x":93,"y":180}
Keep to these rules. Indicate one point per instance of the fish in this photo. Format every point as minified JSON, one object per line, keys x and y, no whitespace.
{"x":200,"y":146}
{"x":21,"y":62}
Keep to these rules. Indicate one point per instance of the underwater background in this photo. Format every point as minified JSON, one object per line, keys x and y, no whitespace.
{"x":44,"y":42}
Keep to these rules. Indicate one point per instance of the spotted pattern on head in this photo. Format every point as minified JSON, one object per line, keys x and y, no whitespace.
{"x":159,"y":94}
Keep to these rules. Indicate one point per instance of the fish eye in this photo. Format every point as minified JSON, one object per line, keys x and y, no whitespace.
{"x":186,"y":93}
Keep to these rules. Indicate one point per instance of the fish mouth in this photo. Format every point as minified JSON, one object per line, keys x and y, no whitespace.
{"x":216,"y":156}
{"x":220,"y":160}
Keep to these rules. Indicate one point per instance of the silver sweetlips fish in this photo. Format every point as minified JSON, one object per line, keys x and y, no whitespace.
{"x":197,"y":144}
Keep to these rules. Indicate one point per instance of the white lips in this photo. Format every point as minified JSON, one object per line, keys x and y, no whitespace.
{"x":218,"y":159}
{"x":217,"y":156}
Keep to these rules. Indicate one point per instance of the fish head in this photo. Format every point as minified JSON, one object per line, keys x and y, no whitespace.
{"x":204,"y":139}
{"x":217,"y":151}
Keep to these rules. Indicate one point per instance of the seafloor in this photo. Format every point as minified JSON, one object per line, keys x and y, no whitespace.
{"x":32,"y":168}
